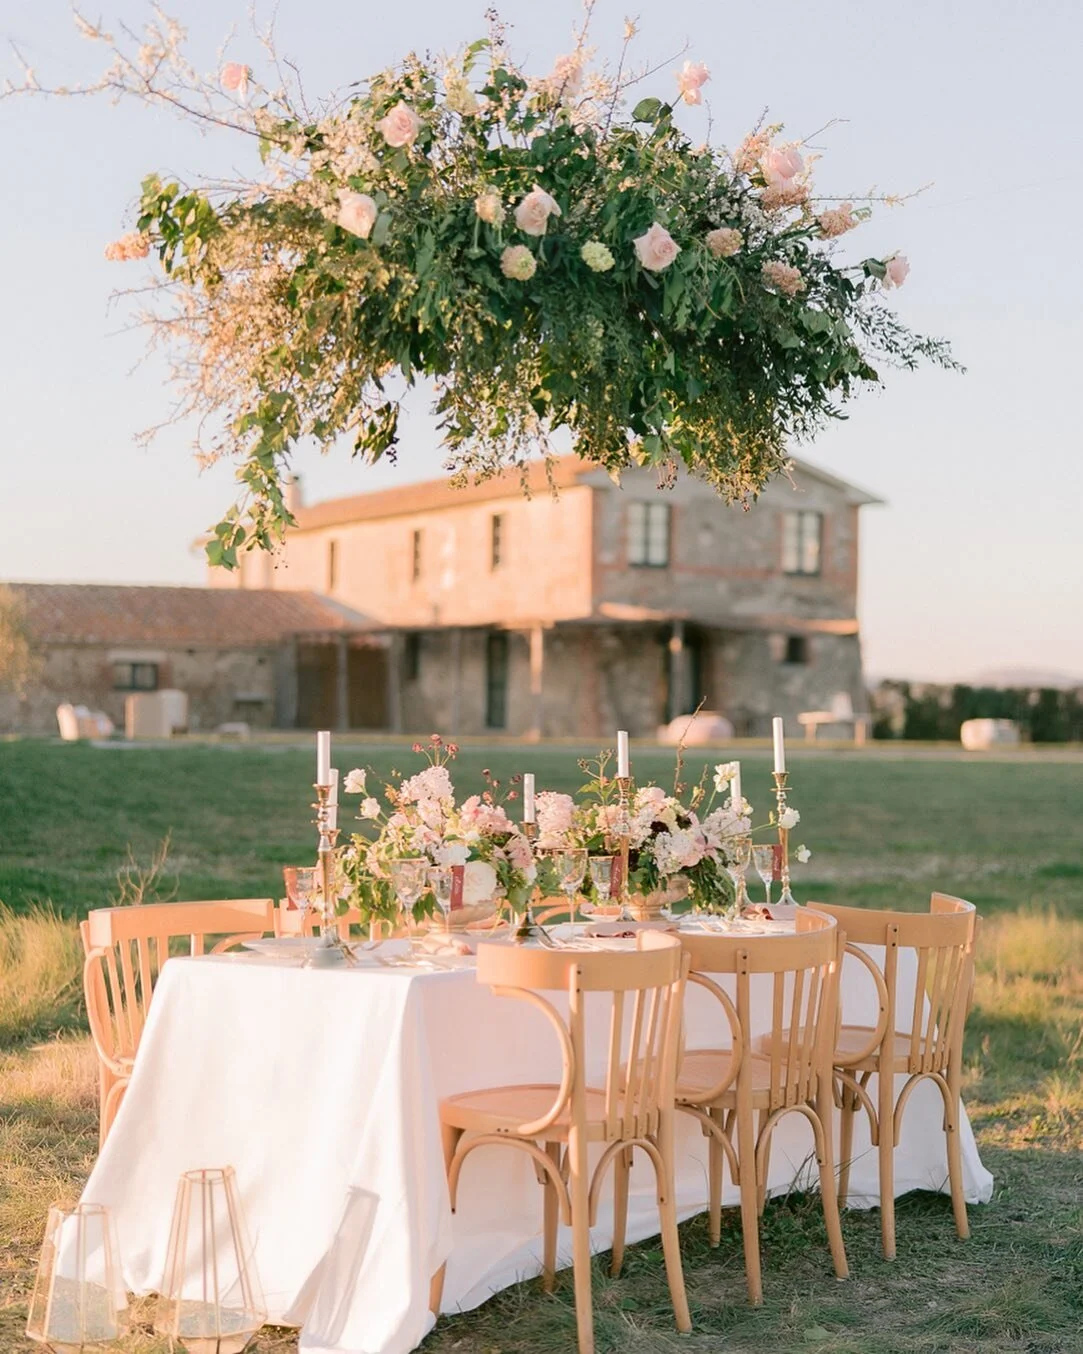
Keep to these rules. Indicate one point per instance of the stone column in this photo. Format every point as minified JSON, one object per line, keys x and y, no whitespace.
{"x":537,"y":694}
{"x":285,"y":684}
{"x":342,"y":682}
{"x":678,"y":674}
{"x":394,"y":683}
{"x":455,"y":640}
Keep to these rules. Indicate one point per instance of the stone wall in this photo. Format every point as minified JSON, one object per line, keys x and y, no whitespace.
{"x":222,"y":685}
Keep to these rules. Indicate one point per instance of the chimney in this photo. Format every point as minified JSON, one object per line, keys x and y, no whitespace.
{"x":295,"y":498}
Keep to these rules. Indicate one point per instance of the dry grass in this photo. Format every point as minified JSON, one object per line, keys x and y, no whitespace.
{"x":41,"y":965}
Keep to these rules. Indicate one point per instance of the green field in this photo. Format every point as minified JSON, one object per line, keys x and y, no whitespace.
{"x":885,"y":826}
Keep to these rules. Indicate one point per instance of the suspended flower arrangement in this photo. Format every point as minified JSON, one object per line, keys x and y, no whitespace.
{"x":546,"y":257}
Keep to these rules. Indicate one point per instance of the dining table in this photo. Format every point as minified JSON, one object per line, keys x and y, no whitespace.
{"x":321,"y":1087}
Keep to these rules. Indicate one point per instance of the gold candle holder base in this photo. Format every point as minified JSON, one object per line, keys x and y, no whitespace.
{"x":527,"y":931}
{"x":332,"y":951}
{"x":786,"y":899}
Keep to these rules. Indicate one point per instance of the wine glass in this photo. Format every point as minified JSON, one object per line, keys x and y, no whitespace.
{"x":302,"y":888}
{"x":441,"y":880}
{"x":601,"y":876}
{"x":571,"y":865}
{"x":763,"y":859}
{"x":409,"y":877}
{"x":738,"y":855}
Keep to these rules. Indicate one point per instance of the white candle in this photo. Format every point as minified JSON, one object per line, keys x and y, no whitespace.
{"x":780,"y":744}
{"x":623,"y":769}
{"x":528,"y":798}
{"x":323,"y":757}
{"x":735,"y":789}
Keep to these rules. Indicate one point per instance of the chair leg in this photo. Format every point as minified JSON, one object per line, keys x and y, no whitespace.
{"x":955,"y":1163}
{"x":667,"y":1212}
{"x":750,"y":1217}
{"x":847,"y":1114}
{"x":714,"y":1173}
{"x":885,"y":1114}
{"x":552,"y":1216}
{"x":579,"y":1189}
{"x":622,"y":1165}
{"x":761,"y":1183}
{"x":824,"y":1107}
{"x":451,"y":1138}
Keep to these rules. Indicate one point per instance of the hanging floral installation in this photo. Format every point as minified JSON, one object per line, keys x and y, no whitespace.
{"x":550,"y":257}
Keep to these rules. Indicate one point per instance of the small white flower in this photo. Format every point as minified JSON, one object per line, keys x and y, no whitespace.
{"x":804,"y":855}
{"x":741,"y":808}
{"x":452,"y":853}
{"x":355,"y":782}
{"x":596,"y":256}
{"x":724,"y":772}
{"x":789,"y":818}
{"x":370,"y":808}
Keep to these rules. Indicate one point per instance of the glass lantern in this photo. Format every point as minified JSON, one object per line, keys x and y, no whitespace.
{"x":79,"y":1303}
{"x":211,"y":1301}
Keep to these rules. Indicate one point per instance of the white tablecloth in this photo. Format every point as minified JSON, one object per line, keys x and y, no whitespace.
{"x":321,"y":1086}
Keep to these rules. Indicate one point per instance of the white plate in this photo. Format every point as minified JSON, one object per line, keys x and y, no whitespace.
{"x":284,"y":945}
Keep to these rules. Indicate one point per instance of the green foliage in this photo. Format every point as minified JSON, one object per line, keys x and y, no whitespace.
{"x":927,"y":711}
{"x":306,"y":324}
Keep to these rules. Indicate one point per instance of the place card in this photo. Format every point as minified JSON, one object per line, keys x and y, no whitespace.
{"x":458,"y":873}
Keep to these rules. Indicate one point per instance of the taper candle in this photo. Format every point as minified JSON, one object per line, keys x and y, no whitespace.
{"x":528,"y":798}
{"x":623,"y":767}
{"x":323,"y":757}
{"x":735,"y":789}
{"x":780,"y":744}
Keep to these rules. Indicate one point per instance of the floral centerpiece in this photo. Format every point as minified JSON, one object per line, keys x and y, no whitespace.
{"x":420,"y":818}
{"x":552,"y":254}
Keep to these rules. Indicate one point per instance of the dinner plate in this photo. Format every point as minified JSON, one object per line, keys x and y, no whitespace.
{"x":284,"y":945}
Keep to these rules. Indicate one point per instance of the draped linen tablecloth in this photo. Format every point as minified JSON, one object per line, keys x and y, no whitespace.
{"x":321,"y":1088}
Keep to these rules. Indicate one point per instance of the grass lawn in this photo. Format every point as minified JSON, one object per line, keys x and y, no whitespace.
{"x":884,"y":830}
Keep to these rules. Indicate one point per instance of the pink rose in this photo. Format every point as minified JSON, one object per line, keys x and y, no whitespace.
{"x":234,"y":78}
{"x":781,"y":163}
{"x":656,"y":249}
{"x":897,"y":270}
{"x":400,"y":127}
{"x":691,"y":80}
{"x":724,"y":242}
{"x":357,"y":213}
{"x":533,"y":213}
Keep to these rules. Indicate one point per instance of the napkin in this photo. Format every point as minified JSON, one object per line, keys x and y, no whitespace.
{"x":444,"y":942}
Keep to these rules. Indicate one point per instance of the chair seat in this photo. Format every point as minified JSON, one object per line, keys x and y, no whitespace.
{"x":850,"y":1041}
{"x":702,"y":1069}
{"x":502,"y":1109}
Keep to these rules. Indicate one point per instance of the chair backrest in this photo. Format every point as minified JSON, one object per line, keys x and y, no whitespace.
{"x":645,"y":987}
{"x":802,"y":972}
{"x":127,"y":946}
{"x":933,"y":1016}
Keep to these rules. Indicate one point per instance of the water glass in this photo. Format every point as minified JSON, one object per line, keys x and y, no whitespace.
{"x":409,"y":875}
{"x":571,"y":865}
{"x":763,"y":859}
{"x":302,"y":887}
{"x":441,"y":881}
{"x":739,"y":854}
{"x":601,"y":876}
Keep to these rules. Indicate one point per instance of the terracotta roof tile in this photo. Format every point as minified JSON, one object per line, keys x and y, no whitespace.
{"x":433,"y":494}
{"x":92,"y":613}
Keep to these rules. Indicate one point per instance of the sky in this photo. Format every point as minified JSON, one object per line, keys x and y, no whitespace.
{"x":974,"y":564}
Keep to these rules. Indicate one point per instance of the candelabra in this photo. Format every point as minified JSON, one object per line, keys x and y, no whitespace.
{"x":624,"y":828}
{"x":331,"y":951}
{"x":787,"y":898}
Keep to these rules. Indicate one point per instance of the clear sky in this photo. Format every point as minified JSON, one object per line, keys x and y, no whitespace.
{"x":975,"y":563}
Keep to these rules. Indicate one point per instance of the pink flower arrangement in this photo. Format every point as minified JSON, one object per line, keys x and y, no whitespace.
{"x":837,"y":221}
{"x":400,"y":126}
{"x":656,"y":249}
{"x":432,"y":783}
{"x":690,"y":81}
{"x":555,"y":814}
{"x":477,"y":814}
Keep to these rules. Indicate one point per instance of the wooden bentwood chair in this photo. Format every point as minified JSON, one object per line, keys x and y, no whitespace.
{"x":125,"y":949}
{"x":555,"y":1124}
{"x":740,"y":1092}
{"x":921,"y":1037}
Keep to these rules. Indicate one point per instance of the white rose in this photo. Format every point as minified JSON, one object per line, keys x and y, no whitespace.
{"x":357,"y":213}
{"x":479,"y":882}
{"x":789,"y":818}
{"x":400,"y":127}
{"x":533,"y":213}
{"x":370,"y":808}
{"x":804,"y":855}
{"x":355,"y":782}
{"x":656,"y":249}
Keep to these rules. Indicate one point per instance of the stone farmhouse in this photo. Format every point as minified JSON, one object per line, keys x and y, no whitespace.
{"x":580,"y":609}
{"x":575,"y":613}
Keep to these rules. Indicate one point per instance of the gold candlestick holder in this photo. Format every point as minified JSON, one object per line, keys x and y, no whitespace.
{"x":624,"y":828}
{"x":332,"y":950}
{"x":787,"y":899}
{"x":528,"y":931}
